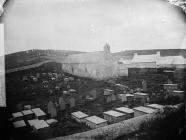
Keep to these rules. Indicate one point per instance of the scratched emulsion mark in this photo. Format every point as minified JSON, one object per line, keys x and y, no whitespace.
{"x":2,"y":68}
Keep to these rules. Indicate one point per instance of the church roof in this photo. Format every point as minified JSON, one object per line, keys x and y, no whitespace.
{"x":89,"y":58}
{"x":145,"y":58}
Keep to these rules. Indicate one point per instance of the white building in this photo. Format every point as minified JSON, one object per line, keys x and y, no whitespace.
{"x":97,"y":65}
{"x":145,"y":61}
{"x":114,"y":116}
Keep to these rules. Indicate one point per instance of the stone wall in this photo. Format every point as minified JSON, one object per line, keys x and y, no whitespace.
{"x":118,"y":129}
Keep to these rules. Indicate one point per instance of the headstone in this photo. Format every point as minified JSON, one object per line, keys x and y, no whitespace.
{"x":38,"y":75}
{"x":113,"y":97}
{"x":93,"y":93}
{"x":61,"y":103}
{"x":124,"y":98}
{"x":109,"y":99}
{"x":144,"y":85}
{"x":72,"y":102}
{"x":53,"y":112}
{"x":169,"y":81}
{"x":68,"y":86}
{"x":50,"y":106}
{"x":52,"y":109}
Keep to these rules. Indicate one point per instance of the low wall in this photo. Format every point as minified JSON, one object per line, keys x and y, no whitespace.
{"x":115,"y":130}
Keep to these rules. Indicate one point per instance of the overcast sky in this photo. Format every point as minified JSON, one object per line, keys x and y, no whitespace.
{"x":86,"y":25}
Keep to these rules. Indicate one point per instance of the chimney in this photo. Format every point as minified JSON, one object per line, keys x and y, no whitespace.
{"x":107,"y":48}
{"x":135,"y":54}
{"x":158,"y":53}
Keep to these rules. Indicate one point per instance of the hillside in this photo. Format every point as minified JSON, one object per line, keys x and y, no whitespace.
{"x":30,"y":57}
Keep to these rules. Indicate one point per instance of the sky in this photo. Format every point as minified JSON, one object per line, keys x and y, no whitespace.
{"x":86,"y":25}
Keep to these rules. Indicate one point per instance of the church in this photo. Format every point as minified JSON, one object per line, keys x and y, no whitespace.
{"x":96,"y":65}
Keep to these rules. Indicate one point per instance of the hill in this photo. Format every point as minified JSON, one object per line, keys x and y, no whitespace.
{"x":30,"y":57}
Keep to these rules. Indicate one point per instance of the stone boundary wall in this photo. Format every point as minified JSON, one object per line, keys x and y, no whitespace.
{"x":113,"y":131}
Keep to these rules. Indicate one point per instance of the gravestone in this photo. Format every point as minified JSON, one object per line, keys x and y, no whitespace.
{"x":144,"y":85}
{"x":61,"y":103}
{"x":72,"y":102}
{"x":52,"y":109}
{"x":93,"y":93}
{"x":109,"y":99}
{"x":113,"y":97}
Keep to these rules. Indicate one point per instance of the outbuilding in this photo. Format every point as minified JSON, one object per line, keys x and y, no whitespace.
{"x":114,"y":116}
{"x":79,"y":116}
{"x":129,"y":112}
{"x":39,"y":114}
{"x":141,"y":110}
{"x":95,"y":122}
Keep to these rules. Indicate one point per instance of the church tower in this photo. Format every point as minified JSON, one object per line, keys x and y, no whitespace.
{"x":107,"y":48}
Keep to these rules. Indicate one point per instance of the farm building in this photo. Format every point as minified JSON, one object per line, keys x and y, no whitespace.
{"x":96,"y":65}
{"x":17,"y":116}
{"x":145,"y":61}
{"x":95,"y":122}
{"x":39,"y":114}
{"x":172,"y":62}
{"x":79,"y":116}
{"x":142,"y":97}
{"x":141,"y":110}
{"x":129,"y":112}
{"x":114,"y":116}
